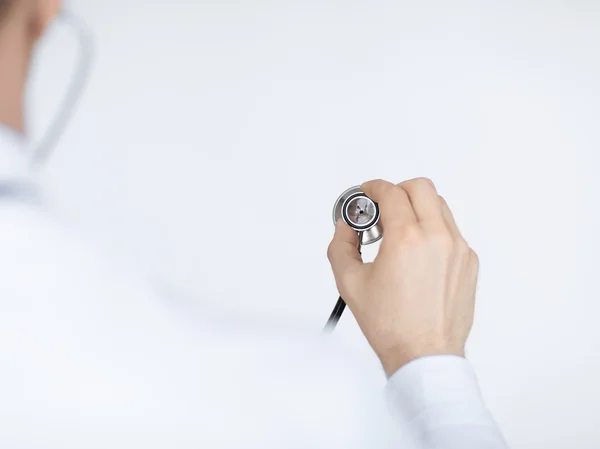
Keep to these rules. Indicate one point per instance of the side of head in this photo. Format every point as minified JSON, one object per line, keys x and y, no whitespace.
{"x":22,"y":23}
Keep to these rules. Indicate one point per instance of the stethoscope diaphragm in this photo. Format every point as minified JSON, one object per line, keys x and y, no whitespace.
{"x":359,"y":212}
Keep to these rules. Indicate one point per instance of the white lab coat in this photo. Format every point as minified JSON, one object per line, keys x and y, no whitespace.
{"x":93,"y":356}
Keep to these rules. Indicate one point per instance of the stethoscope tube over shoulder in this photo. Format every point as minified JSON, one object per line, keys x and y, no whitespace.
{"x":42,"y":151}
{"x":361,"y":213}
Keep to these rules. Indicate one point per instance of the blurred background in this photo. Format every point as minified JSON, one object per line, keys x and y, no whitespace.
{"x":214,"y":138}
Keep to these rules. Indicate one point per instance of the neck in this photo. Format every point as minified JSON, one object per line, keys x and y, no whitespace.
{"x":15,"y":51}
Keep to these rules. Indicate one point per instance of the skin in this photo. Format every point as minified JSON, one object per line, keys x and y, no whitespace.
{"x":22,"y":23}
{"x":416,"y":299}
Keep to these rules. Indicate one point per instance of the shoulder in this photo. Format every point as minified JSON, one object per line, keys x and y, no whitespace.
{"x":42,"y":254}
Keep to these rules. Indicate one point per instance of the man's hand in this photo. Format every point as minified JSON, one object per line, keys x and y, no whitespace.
{"x":417,"y":298}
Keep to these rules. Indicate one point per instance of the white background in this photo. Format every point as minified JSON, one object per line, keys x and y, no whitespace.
{"x":214,"y":138}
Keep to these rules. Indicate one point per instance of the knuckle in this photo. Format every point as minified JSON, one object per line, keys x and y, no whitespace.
{"x":392,"y":192}
{"x":330,"y":251}
{"x":420,"y":182}
{"x":462,"y":247}
{"x":390,"y":197}
{"x":424,"y":182}
{"x":474,"y":258}
{"x":368,"y":184}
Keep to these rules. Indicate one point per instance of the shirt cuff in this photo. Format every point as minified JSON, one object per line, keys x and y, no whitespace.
{"x":438,"y":389}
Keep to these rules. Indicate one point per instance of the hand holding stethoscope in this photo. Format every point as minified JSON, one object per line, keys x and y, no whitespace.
{"x":417,"y":297}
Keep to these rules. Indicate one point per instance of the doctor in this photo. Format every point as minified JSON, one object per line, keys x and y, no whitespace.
{"x":92,"y":356}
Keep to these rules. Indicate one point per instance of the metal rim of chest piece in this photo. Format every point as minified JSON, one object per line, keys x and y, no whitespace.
{"x":359,"y":212}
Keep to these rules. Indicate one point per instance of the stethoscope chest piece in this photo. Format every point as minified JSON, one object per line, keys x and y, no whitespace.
{"x":359,"y":212}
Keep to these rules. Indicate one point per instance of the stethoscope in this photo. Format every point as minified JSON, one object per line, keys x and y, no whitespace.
{"x":41,"y":152}
{"x":361,"y":213}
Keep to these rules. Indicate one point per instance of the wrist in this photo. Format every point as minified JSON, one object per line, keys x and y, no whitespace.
{"x":395,"y":359}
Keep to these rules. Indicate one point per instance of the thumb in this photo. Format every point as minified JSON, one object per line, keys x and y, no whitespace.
{"x":343,"y":253}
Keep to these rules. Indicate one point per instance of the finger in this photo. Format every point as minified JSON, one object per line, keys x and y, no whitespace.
{"x":424,"y":199}
{"x":394,"y":205}
{"x":449,"y":218}
{"x":343,"y":251}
